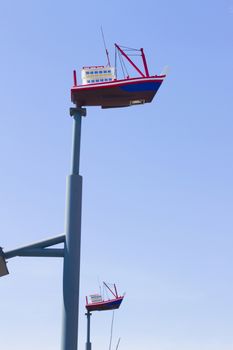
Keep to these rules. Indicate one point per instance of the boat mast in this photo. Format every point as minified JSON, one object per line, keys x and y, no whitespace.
{"x":107,"y":54}
{"x":115,"y":290}
{"x":115,"y":295}
{"x":131,"y":62}
{"x":145,"y":63}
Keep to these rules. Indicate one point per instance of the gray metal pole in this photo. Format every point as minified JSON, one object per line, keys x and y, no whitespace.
{"x":88,"y":343}
{"x":71,"y":271}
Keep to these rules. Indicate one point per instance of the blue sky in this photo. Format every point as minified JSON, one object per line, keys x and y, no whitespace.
{"x":157,"y":198}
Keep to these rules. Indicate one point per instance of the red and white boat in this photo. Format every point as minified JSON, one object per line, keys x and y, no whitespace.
{"x":97,"y":302}
{"x":101,"y":87}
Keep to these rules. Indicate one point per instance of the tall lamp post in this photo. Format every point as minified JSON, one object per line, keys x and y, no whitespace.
{"x":108,"y":97}
{"x":71,"y":270}
{"x":71,"y":240}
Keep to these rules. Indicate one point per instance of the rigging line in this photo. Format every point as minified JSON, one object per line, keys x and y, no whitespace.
{"x":120,"y":62}
{"x":107,"y":54}
{"x":123,"y":64}
{"x":110,"y":343}
{"x":125,"y":67}
{"x":122,"y":68}
{"x":129,"y":48}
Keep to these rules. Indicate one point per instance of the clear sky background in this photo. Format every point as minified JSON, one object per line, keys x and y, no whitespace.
{"x":157,"y":197}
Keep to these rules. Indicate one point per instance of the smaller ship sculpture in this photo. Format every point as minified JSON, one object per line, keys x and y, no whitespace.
{"x":97,"y":302}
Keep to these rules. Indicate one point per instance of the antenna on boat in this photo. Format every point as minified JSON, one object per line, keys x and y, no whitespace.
{"x":133,"y":52}
{"x":100,"y":287}
{"x":106,"y":50}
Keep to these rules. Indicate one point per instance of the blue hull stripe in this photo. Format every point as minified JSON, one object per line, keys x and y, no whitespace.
{"x":150,"y":86}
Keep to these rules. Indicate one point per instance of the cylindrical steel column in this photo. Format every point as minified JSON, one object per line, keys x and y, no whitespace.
{"x":71,"y":271}
{"x":88,"y":343}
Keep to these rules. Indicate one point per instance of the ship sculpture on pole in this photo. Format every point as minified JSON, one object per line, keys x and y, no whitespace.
{"x":101,"y":86}
{"x":97,"y":302}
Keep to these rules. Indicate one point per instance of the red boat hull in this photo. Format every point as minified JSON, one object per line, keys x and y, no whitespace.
{"x":118,"y":93}
{"x":112,"y":304}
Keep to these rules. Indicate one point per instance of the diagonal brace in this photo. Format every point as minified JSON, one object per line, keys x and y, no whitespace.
{"x":38,"y":249}
{"x":42,"y":252}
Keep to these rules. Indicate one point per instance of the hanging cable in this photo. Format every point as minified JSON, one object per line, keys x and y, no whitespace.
{"x":125,"y":67}
{"x":126,"y":48}
{"x":118,"y":343}
{"x":132,"y":54}
{"x":122,"y":68}
{"x":110,"y":343}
